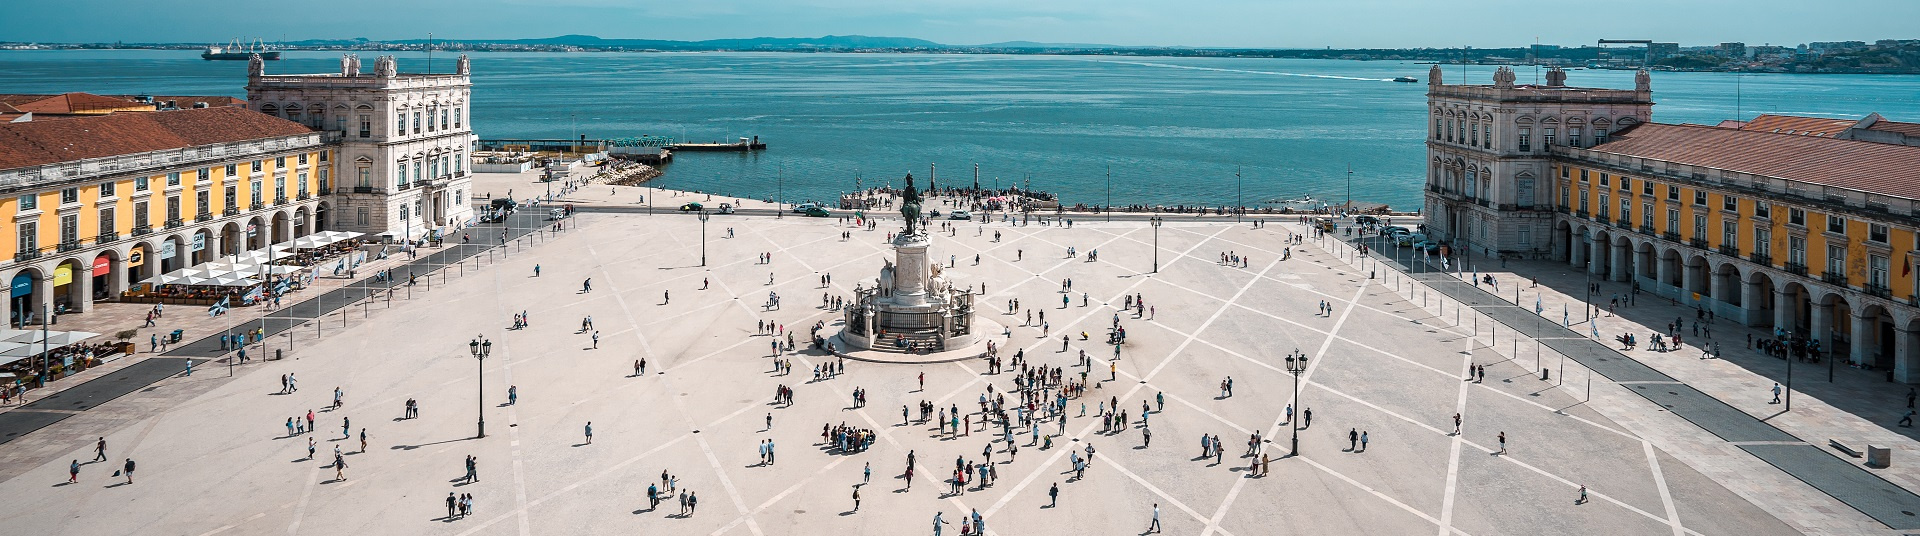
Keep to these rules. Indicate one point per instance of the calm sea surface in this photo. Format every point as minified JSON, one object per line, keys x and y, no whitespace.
{"x":1171,"y":130}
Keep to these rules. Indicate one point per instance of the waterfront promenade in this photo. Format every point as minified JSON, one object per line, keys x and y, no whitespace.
{"x":215,"y":457}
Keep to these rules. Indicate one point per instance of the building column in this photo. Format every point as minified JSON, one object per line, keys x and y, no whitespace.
{"x":83,"y":282}
{"x":1752,"y":299}
{"x":1663,"y":272}
{"x":213,"y":244}
{"x":1906,"y":365}
{"x":44,"y":295}
{"x":1576,"y":253}
{"x":1716,"y":289}
{"x":6,"y":303}
{"x":1784,"y":308}
{"x":1621,"y":271}
{"x":1859,"y":348}
{"x":1594,"y":265}
{"x":117,"y":276}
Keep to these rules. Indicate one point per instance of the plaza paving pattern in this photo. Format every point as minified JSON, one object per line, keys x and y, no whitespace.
{"x":219,"y":460}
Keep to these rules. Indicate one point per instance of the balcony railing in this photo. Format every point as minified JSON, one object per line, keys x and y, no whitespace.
{"x":1878,"y":290}
{"x":142,"y":230}
{"x":1760,"y":259}
{"x":67,"y":245}
{"x":365,"y":190}
{"x":1834,"y":278}
{"x":1646,"y":230}
{"x":231,"y":210}
{"x":1623,"y":224}
{"x":1562,"y":210}
{"x":28,"y":255}
{"x":1796,"y":268}
{"x":1697,"y":242}
{"x":105,"y":237}
{"x":1603,"y":219}
{"x":304,"y":196}
{"x":257,"y":206}
{"x":279,"y":200}
{"x":1580,"y":213}
{"x":1670,"y":235}
{"x":326,"y":191}
{"x":202,"y":217}
{"x":175,"y":223}
{"x":1730,"y":251}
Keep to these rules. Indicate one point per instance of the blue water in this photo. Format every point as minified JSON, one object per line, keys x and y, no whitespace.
{"x":1171,"y":130}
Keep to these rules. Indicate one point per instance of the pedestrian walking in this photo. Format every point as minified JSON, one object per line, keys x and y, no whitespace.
{"x":100,"y":449}
{"x":1155,"y":526}
{"x":128,"y":469}
{"x":589,"y":432}
{"x":1776,"y":394}
{"x":1053,"y":495}
{"x":1503,"y":442}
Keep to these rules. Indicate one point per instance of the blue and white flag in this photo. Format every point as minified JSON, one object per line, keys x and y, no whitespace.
{"x":1536,"y":304}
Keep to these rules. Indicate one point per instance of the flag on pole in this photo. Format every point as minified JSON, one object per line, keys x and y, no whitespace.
{"x":1536,"y":304}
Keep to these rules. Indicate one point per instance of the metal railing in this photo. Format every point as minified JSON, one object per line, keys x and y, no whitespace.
{"x":1834,"y":278}
{"x":1877,"y":290}
{"x":1760,"y":258}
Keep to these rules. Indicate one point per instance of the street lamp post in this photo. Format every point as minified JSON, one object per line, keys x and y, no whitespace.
{"x":1296,"y":364}
{"x":1155,"y":220}
{"x":780,"y":191}
{"x":481,"y":348}
{"x":703,"y":237}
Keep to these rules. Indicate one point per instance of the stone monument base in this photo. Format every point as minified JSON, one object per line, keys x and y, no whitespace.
{"x":986,"y":330}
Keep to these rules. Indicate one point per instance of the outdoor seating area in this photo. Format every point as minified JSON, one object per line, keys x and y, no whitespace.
{"x":21,"y":349}
{"x":239,"y":279}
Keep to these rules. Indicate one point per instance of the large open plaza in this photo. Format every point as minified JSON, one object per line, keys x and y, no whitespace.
{"x":215,"y":455}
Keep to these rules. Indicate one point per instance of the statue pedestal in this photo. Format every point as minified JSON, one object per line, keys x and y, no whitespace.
{"x":910,"y":270}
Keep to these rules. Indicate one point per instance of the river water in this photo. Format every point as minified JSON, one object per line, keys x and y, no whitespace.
{"x":1166,"y":130}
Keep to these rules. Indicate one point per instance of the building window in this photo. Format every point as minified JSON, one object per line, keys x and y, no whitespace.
{"x":255,"y":192}
{"x":29,"y":237}
{"x":401,"y":118}
{"x":1763,"y":241}
{"x":69,"y":196}
{"x":1439,"y":129}
{"x":418,"y":171}
{"x":1646,"y":187}
{"x":1546,"y":137}
{"x":1599,"y":136}
{"x":1583,"y":200}
{"x":1836,"y":224}
{"x":279,"y":162}
{"x":1730,"y":203}
{"x":1605,"y":207}
{"x":279,"y":188}
{"x":1876,"y":233}
{"x":1564,"y":170}
{"x":106,"y":189}
{"x":433,"y":167}
{"x":173,"y":178}
{"x":201,"y":201}
{"x":106,"y":221}
{"x":303,"y":183}
{"x":405,"y":211}
{"x":416,"y":122}
{"x":401,"y":177}
{"x":1700,"y":197}
{"x":141,"y":216}
{"x":1604,"y":180}
{"x":1583,"y":175}
{"x":1646,"y":216}
{"x":456,"y":116}
{"x":340,"y":123}
{"x":366,"y":126}
{"x":258,"y":165}
{"x":233,"y":197}
{"x":1563,"y":195}
{"x":29,"y":202}
{"x":1729,"y":233}
{"x":233,"y":169}
{"x":431,"y":114}
{"x":303,"y":159}
{"x":360,"y":216}
{"x":1837,"y":261}
{"x":69,"y":228}
{"x":1673,"y":192}
{"x":1626,"y":211}
{"x":1797,"y":250}
{"x":1762,"y":210}
{"x":139,"y":184}
{"x":205,"y":174}
{"x":1526,"y":141}
{"x":1573,"y":136}
{"x":1673,"y":220}
{"x":366,"y":177}
{"x":323,"y":155}
{"x":1463,"y":131}
{"x":1699,"y":227}
{"x":173,"y":208}
{"x":460,"y":168}
{"x":459,"y":197}
{"x":1473,"y":135}
{"x":1626,"y":184}
{"x":1877,"y":271}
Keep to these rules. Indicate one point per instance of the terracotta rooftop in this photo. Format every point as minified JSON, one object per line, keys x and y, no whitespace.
{"x":1907,"y":129}
{"x":1879,"y":168}
{"x":36,"y":143}
{"x":1793,"y":124}
{"x":79,"y":103}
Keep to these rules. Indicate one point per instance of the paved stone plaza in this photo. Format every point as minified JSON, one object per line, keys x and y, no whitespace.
{"x":217,"y":458}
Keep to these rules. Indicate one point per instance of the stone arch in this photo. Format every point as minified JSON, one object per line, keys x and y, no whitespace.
{"x":1670,"y":268}
{"x":107,"y":274}
{"x":301,"y":223}
{"x":1697,"y":280}
{"x":1873,"y":338}
{"x":72,"y":286}
{"x":141,"y":262}
{"x":1646,"y":260}
{"x":1833,"y":321}
{"x":1523,"y":120}
{"x":1561,"y":241}
{"x":1602,"y":252}
{"x":25,"y":297}
{"x":282,"y":227}
{"x":179,"y":259}
{"x":1793,"y":307}
{"x":258,"y":234}
{"x":230,"y":242}
{"x":207,"y":238}
{"x":1575,"y":120}
{"x":1757,"y":302}
{"x":322,"y":211}
{"x":1726,"y":283}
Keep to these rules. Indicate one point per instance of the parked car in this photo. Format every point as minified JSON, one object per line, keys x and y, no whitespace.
{"x":817,"y":212}
{"x":1409,"y":239}
{"x":691,"y":207}
{"x":726,"y":208}
{"x":1366,"y":220}
{"x":804,"y":207}
{"x":1395,"y":230}
{"x":960,"y":215}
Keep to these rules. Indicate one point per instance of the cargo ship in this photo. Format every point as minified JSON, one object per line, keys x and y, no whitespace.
{"x":237,"y":51}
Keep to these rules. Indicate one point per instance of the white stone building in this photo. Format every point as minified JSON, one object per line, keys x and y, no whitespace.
{"x":1489,"y":155}
{"x":404,"y":141}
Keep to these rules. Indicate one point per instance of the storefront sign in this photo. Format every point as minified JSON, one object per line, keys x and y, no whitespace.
{"x":167,"y":249}
{"x":63,"y":275}
{"x":22,"y":285}
{"x":137,"y":257}
{"x":102,"y":266}
{"x":199,"y":242}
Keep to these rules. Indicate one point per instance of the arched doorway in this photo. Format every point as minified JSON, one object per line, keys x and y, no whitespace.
{"x":1793,"y":310}
{"x":1646,"y":262}
{"x":105,"y":287}
{"x":281,"y":226}
{"x":1624,"y":259}
{"x":23,"y":305}
{"x":1872,"y":338}
{"x":1670,"y":271}
{"x":320,"y":215}
{"x":1833,"y":323}
{"x":1697,"y":278}
{"x":139,"y":263}
{"x":70,"y":282}
{"x":1759,"y":300}
{"x":230,"y":239}
{"x":1601,"y":248}
{"x":300,"y":227}
{"x":256,"y":233}
{"x":199,"y":252}
{"x":1562,"y":240}
{"x":173,"y":253}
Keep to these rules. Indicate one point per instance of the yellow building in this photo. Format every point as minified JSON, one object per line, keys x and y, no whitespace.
{"x":1782,"y":222}
{"x":96,"y":204}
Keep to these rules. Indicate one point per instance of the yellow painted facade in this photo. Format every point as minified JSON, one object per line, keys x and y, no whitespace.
{"x":43,"y":215}
{"x":1873,"y":248}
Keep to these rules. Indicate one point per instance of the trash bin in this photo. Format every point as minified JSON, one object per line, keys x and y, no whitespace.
{"x":276,"y":354}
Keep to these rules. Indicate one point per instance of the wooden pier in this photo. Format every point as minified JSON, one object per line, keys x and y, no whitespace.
{"x":742,"y":146}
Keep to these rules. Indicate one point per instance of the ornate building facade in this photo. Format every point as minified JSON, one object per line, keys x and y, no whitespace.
{"x":404,"y":140}
{"x":1809,"y":226}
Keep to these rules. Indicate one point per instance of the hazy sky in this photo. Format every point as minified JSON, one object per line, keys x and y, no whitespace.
{"x":1223,"y":23}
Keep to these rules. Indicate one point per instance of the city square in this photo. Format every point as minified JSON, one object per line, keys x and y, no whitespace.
{"x":575,"y":448}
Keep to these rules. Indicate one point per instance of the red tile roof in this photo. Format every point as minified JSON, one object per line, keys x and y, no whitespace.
{"x":1907,"y":129}
{"x":71,"y":103}
{"x":1793,"y":124}
{"x":45,"y":142}
{"x":1878,"y":168}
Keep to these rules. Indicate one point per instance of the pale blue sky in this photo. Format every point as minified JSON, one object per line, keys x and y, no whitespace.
{"x":1211,"y":23}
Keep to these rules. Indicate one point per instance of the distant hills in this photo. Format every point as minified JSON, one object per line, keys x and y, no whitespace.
{"x":828,"y":42}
